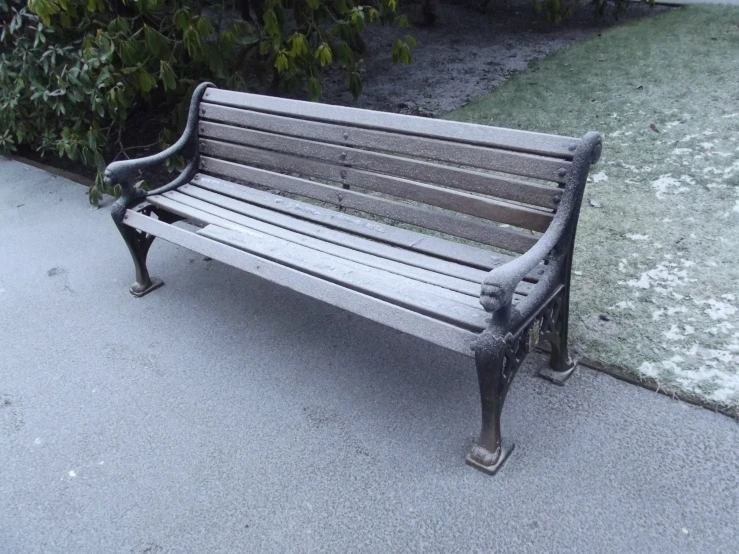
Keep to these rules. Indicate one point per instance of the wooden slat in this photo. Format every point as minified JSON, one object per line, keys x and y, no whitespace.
{"x":437,"y":302}
{"x":550,"y":169}
{"x":484,"y":233}
{"x":246,"y":214}
{"x":412,"y":240}
{"x":242,"y":212}
{"x":385,"y":313}
{"x":523,"y":141}
{"x":464,"y":179}
{"x":519,"y":216}
{"x":236,"y":222}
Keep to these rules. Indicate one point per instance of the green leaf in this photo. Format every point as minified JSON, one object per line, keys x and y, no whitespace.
{"x":355,"y":84}
{"x":167,"y":76}
{"x":117,"y":191}
{"x":299,"y":45}
{"x":156,"y":43}
{"x":192,"y":42}
{"x":314,"y":89}
{"x":405,"y":54}
{"x":270,"y":23}
{"x":346,"y":55}
{"x":146,"y":81}
{"x":95,"y":196}
{"x":358,"y":19}
{"x":397,"y":46}
{"x":411,"y":41}
{"x":313,"y":4}
{"x":281,"y":62}
{"x":182,"y":19}
{"x":323,"y":54}
{"x":205,"y":27}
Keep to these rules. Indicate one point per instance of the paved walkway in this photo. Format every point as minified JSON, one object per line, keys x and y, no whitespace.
{"x":223,"y":414}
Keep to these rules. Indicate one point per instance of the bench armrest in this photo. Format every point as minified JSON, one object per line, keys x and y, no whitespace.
{"x":124,"y":172}
{"x":499,"y":285}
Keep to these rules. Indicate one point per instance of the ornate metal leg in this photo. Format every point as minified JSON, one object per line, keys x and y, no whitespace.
{"x":490,"y":452}
{"x":138,"y":244}
{"x":561,"y":366}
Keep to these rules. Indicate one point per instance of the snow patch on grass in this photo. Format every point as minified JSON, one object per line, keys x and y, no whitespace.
{"x":667,"y":184}
{"x":599,"y":177}
{"x":717,"y":309}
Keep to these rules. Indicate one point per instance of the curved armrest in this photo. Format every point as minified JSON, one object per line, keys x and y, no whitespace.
{"x":500,"y":284}
{"x":123,"y":172}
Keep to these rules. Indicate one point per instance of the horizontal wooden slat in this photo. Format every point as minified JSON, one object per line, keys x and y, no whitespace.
{"x":385,"y":313}
{"x":241,"y":212}
{"x":519,"y":216}
{"x":485,"y":158}
{"x":426,"y":172}
{"x":437,"y":302}
{"x":484,"y":233}
{"x":206,"y":202}
{"x":523,"y":141}
{"x":191,"y":209}
{"x":466,"y":254}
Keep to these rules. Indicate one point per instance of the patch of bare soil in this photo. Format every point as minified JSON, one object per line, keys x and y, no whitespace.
{"x":466,"y":54}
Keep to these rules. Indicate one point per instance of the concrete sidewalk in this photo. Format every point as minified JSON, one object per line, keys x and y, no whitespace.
{"x":224,"y":414}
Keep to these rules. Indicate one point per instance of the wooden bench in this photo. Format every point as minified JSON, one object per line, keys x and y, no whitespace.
{"x":459,"y":234}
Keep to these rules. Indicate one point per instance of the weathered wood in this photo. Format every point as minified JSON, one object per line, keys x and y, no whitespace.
{"x":236,"y":222}
{"x":489,"y":184}
{"x":466,"y":254}
{"x":483,"y":233}
{"x":242,"y":212}
{"x":210,"y":207}
{"x":496,"y":137}
{"x":511,"y":214}
{"x":527,"y":165}
{"x":278,"y":129}
{"x":437,"y":302}
{"x":221,"y":210}
{"x":385,"y":313}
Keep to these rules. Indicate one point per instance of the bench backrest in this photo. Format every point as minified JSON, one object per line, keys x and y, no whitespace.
{"x":418,"y":171}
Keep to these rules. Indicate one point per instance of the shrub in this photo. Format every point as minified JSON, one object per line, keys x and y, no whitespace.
{"x":71,"y":71}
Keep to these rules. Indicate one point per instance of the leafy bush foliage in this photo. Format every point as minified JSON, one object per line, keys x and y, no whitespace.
{"x":321,"y":32}
{"x":71,"y":71}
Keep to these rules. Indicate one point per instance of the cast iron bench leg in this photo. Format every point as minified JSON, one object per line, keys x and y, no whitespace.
{"x":138,"y":244}
{"x":490,"y":452}
{"x":561,"y":366}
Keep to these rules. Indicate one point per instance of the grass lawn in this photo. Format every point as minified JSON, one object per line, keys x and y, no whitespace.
{"x":658,"y":240}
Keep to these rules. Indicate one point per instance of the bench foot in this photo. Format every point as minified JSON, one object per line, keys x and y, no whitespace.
{"x":138,"y":244}
{"x":489,"y":462}
{"x":561,"y":366}
{"x":494,"y":360}
{"x":142,"y":289}
{"x":558,"y":377}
